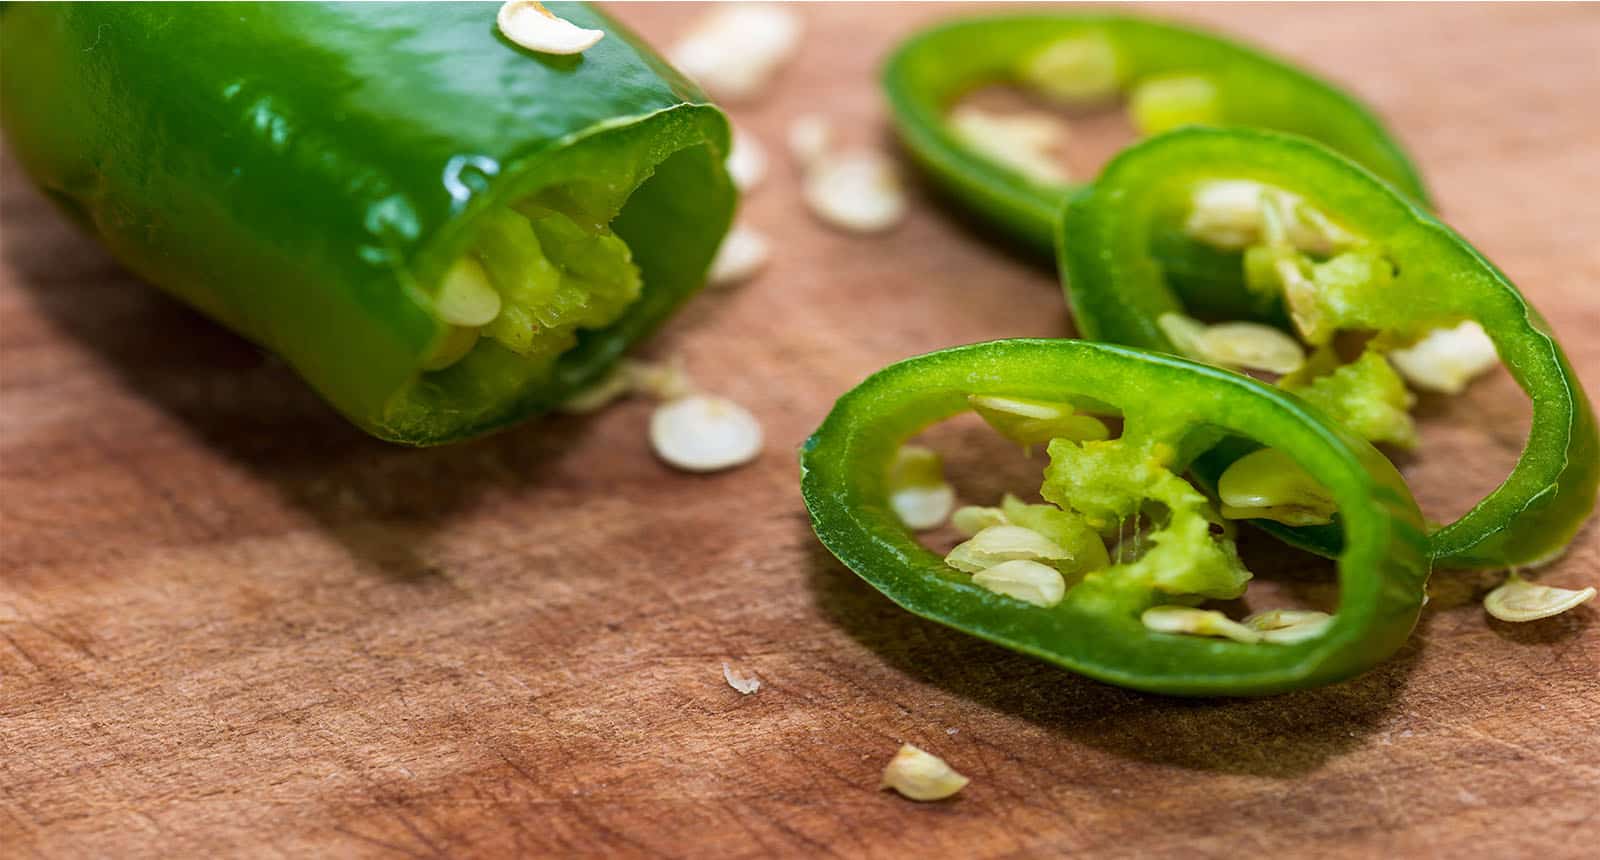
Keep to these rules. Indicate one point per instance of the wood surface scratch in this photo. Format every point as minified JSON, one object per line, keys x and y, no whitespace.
{"x":231,"y":625}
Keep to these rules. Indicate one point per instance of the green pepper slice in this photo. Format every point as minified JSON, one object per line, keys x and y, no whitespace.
{"x":442,"y":232}
{"x":1176,"y":75}
{"x":1171,"y":408}
{"x":1340,"y":254}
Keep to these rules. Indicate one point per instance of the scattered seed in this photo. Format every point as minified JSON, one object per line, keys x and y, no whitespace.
{"x":735,"y":49}
{"x":1288,"y":626}
{"x":743,"y":253}
{"x":745,"y":684}
{"x":1028,"y":581}
{"x":1447,"y":358}
{"x":810,"y":138}
{"x":1519,"y":600}
{"x":612,"y":387}
{"x":663,"y":381}
{"x":856,"y":190}
{"x":747,"y":160}
{"x":1268,"y":484}
{"x":973,"y":519}
{"x":466,"y":297}
{"x":704,"y":433}
{"x":1024,"y":142}
{"x":1081,"y":70}
{"x":917,"y":489}
{"x":1196,"y":622}
{"x":536,"y":28}
{"x":998,"y":544}
{"x":919,"y":775}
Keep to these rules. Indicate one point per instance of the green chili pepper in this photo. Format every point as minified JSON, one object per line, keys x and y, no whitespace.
{"x":1170,"y":408}
{"x":1356,"y":270}
{"x":441,"y":231}
{"x":1172,"y":75}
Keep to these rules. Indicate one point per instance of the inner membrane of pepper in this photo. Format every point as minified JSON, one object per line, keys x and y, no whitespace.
{"x":544,"y":276}
{"x":1325,"y":311}
{"x":1119,"y":528}
{"x":539,"y":271}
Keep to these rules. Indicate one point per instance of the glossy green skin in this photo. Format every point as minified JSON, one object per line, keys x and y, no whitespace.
{"x":305,"y":173}
{"x":1119,"y":292}
{"x":1382,"y":569}
{"x":933,"y":70}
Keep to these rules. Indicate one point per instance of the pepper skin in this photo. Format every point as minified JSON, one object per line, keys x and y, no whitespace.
{"x":933,"y":70}
{"x":1096,"y":628}
{"x":1429,"y":276}
{"x":307,"y":174}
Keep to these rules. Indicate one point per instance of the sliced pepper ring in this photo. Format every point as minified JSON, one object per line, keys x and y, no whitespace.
{"x":1432,"y":277}
{"x":1382,"y":567}
{"x":934,"y":69}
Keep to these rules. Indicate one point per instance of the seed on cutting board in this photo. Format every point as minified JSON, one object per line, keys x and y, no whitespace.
{"x":536,"y":28}
{"x":918,"y":492}
{"x":614,"y":386}
{"x":743,"y":253}
{"x":747,"y":160}
{"x":734,"y":50}
{"x":1196,"y":622}
{"x":1028,"y":581}
{"x":920,"y":775}
{"x":810,"y":137}
{"x":744,"y":683}
{"x":661,"y":380}
{"x":1519,"y":600}
{"x":856,"y":190}
{"x":704,"y":433}
{"x":1447,"y":358}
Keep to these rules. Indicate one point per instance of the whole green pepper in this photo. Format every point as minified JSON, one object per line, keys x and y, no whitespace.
{"x":1171,"y":408}
{"x":1176,"y":75}
{"x":439,"y":230}
{"x":1337,"y":254}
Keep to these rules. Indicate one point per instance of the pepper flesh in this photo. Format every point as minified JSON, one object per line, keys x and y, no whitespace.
{"x":308,"y":174}
{"x":933,"y":70}
{"x":1403,"y":274}
{"x":1171,"y":408}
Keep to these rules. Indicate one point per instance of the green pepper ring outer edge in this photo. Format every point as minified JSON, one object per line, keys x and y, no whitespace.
{"x":1381,"y":571}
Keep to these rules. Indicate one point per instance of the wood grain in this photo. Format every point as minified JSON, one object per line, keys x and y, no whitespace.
{"x":232,"y":625}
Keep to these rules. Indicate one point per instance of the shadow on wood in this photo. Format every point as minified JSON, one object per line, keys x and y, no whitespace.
{"x":1283,"y":736}
{"x":377,"y":499}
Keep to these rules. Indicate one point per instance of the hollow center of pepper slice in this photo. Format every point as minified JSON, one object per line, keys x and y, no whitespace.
{"x":1120,"y":529}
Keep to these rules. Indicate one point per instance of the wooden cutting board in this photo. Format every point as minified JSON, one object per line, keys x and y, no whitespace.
{"x":231,"y":624}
